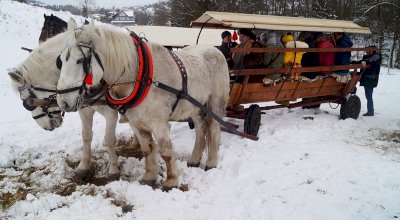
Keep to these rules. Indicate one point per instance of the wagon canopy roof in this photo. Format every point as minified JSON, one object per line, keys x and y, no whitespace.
{"x":178,"y":36}
{"x":280,"y":23}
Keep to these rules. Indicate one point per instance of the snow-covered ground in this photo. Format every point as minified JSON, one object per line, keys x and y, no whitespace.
{"x":306,"y":165}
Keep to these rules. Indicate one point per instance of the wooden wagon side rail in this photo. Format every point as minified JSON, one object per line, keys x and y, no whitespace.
{"x":313,"y":50}
{"x":287,"y":70}
{"x":290,"y":90}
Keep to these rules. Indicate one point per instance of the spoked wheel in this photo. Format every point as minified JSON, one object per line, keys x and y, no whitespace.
{"x":252,"y":120}
{"x":350,"y":107}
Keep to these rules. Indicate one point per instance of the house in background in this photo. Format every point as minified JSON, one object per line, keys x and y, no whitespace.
{"x":124,"y":18}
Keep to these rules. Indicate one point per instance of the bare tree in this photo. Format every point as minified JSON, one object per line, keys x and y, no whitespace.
{"x":85,"y":4}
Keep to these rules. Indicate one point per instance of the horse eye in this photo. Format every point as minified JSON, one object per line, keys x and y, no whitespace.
{"x":79,"y":61}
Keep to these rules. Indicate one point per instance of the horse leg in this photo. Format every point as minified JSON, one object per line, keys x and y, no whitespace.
{"x":149,"y":149}
{"x":83,"y":169}
{"x":213,"y":131}
{"x":111,"y":118}
{"x":199,"y":144}
{"x":213,"y":135}
{"x":161,"y":134}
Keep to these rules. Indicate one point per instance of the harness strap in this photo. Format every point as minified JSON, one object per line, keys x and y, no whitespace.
{"x":142,"y":82}
{"x":44,"y":89}
{"x":183,"y":72}
{"x":196,"y":103}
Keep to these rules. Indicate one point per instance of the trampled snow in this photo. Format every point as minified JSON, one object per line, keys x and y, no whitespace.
{"x":308,"y":164}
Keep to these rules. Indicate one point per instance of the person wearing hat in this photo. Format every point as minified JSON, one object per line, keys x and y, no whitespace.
{"x":247,"y":59}
{"x":226,"y":46}
{"x":293,"y":59}
{"x":342,"y":40}
{"x":369,"y":78}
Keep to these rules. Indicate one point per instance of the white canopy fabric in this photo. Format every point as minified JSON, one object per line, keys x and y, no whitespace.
{"x":178,"y":36}
{"x":212,"y":19}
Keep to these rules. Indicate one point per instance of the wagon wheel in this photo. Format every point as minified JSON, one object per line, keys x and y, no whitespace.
{"x":252,"y":120}
{"x":350,"y":107}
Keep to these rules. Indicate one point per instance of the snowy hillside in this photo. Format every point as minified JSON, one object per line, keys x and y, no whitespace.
{"x":306,"y":165}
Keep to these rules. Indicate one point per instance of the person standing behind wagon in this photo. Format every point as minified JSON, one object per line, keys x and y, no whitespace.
{"x":342,"y":58}
{"x":226,"y":46}
{"x":369,"y":78}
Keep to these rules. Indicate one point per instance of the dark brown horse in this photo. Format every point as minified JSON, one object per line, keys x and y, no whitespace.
{"x":52,"y":26}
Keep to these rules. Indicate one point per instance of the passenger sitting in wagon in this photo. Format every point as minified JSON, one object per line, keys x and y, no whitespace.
{"x":309,"y":59}
{"x":293,"y":59}
{"x":247,"y":59}
{"x":271,"y":59}
{"x":325,"y":58}
{"x":342,"y":58}
{"x":226,"y":46}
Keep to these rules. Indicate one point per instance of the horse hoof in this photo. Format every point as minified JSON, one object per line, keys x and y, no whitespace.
{"x":82,"y":175}
{"x":151,"y":183}
{"x":167,"y":188}
{"x":113,"y":177}
{"x":208,"y":168}
{"x":193,"y":164}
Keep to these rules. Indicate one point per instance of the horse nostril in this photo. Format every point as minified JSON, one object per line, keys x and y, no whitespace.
{"x":65,"y":106}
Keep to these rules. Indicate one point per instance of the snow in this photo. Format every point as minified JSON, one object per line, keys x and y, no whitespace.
{"x":300,"y":168}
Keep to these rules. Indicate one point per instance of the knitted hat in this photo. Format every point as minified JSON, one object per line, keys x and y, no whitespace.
{"x":225,"y":33}
{"x":286,"y":38}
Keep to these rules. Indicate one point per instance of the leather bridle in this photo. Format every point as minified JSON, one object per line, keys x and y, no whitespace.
{"x":30,"y":94}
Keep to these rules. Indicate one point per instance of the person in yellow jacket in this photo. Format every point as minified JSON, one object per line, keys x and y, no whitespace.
{"x":293,"y":58}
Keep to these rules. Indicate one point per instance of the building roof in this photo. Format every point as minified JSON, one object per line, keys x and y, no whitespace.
{"x":129,"y":13}
{"x":178,"y":36}
{"x":227,"y":20}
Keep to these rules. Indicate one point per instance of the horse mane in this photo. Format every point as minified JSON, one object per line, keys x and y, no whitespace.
{"x":34,"y":69}
{"x":111,"y":44}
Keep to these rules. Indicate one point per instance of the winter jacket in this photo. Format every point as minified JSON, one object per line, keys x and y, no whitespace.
{"x":343,"y":58}
{"x":326,"y":58}
{"x":225,"y":48}
{"x":271,"y":40}
{"x":370,"y":76}
{"x":248,"y":59}
{"x":292,"y":57}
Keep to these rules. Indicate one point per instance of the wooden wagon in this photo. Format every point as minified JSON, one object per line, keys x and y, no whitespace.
{"x":290,"y":93}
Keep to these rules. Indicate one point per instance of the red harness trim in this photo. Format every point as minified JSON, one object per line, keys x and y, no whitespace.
{"x":138,"y":78}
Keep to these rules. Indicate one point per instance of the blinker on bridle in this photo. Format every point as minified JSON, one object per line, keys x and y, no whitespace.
{"x":86,"y":65}
{"x":45,"y":108}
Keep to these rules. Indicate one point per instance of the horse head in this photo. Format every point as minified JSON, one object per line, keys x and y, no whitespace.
{"x":52,"y":26}
{"x":47,"y":116}
{"x":37,"y":77}
{"x":81,"y":66}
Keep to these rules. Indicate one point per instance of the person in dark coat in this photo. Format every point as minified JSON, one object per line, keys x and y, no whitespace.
{"x":369,"y":78}
{"x":342,"y":58}
{"x":309,"y":59}
{"x":226,"y":46}
{"x":247,"y":59}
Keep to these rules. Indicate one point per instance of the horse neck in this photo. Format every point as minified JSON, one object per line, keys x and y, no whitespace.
{"x":40,"y":68}
{"x":119,"y":57}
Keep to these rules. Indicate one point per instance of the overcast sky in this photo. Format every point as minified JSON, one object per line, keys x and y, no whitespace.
{"x":102,"y":3}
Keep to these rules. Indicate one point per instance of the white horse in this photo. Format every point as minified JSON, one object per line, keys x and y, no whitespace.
{"x":208,"y":83}
{"x":39,"y":70}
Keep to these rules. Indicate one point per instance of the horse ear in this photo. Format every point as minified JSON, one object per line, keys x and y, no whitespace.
{"x":44,"y":16}
{"x":72,"y":24}
{"x":86,"y":22}
{"x":92,"y":21}
{"x":16,"y":78}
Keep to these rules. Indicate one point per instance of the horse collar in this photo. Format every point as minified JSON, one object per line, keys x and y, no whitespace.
{"x":141,"y":84}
